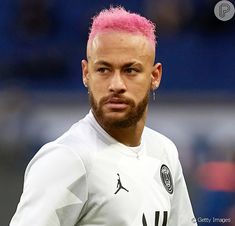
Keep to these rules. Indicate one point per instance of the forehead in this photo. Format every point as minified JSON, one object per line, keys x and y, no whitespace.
{"x":118,"y":45}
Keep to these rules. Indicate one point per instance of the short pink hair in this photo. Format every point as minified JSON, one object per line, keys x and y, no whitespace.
{"x":118,"y":19}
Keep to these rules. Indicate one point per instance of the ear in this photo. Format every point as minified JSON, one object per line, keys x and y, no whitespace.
{"x":156,"y":76}
{"x":85,"y":73}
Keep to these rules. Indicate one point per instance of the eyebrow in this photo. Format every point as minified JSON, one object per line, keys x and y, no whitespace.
{"x":102,"y":62}
{"x":105,"y":63}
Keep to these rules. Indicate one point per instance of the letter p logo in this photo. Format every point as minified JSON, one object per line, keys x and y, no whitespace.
{"x":224,"y":10}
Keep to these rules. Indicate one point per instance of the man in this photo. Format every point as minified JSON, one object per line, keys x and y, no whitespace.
{"x":109,"y":169}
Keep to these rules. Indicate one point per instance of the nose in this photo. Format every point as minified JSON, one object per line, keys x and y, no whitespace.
{"x":117,"y":84}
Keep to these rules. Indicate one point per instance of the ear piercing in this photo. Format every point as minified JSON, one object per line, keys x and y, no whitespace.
{"x":154,"y":95}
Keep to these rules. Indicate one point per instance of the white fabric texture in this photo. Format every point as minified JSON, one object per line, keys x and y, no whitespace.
{"x":87,"y":178}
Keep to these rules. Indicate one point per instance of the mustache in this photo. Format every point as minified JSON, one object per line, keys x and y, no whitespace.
{"x":116,"y":98}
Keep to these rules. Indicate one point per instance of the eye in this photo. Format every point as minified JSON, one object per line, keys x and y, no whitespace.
{"x":131,"y":70}
{"x":102,"y":70}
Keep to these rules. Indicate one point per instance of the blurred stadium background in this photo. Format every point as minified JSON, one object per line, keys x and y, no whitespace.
{"x":42,"y":43}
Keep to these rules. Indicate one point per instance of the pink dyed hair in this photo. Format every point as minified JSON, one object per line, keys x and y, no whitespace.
{"x":118,"y":19}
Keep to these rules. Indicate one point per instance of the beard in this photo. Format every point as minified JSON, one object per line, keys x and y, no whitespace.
{"x":131,"y":117}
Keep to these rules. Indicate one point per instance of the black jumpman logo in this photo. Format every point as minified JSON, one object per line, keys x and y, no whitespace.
{"x":119,"y":185}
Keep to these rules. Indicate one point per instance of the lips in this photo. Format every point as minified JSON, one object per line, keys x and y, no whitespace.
{"x":116,"y":103}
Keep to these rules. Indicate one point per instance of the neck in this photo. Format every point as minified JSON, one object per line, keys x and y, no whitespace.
{"x":130,"y":136}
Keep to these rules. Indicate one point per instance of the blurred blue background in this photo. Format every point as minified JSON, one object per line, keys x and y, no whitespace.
{"x":42,"y":94}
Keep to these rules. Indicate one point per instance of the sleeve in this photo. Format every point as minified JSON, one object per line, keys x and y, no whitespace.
{"x":181,"y":209}
{"x":55,"y":189}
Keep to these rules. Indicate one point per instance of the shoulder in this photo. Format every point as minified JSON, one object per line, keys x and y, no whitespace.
{"x":153,"y":137}
{"x":75,"y":147}
{"x":160,"y":146}
{"x":54,"y":165}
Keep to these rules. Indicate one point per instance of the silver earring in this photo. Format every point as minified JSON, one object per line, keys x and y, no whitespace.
{"x":87,"y":89}
{"x":154,"y":95}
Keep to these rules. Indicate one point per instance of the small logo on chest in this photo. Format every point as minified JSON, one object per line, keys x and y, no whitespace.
{"x":119,"y":185}
{"x":166,"y":178}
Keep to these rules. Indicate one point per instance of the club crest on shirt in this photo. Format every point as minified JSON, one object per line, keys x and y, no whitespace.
{"x":166,"y":178}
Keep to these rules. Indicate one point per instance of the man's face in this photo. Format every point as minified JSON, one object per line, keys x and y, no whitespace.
{"x":119,"y":75}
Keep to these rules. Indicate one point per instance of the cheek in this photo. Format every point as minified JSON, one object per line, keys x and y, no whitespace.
{"x":140,"y":87}
{"x":143,"y":91}
{"x":98,"y":90}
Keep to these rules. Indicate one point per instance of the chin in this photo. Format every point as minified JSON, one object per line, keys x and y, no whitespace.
{"x":115,"y":115}
{"x":123,"y":119}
